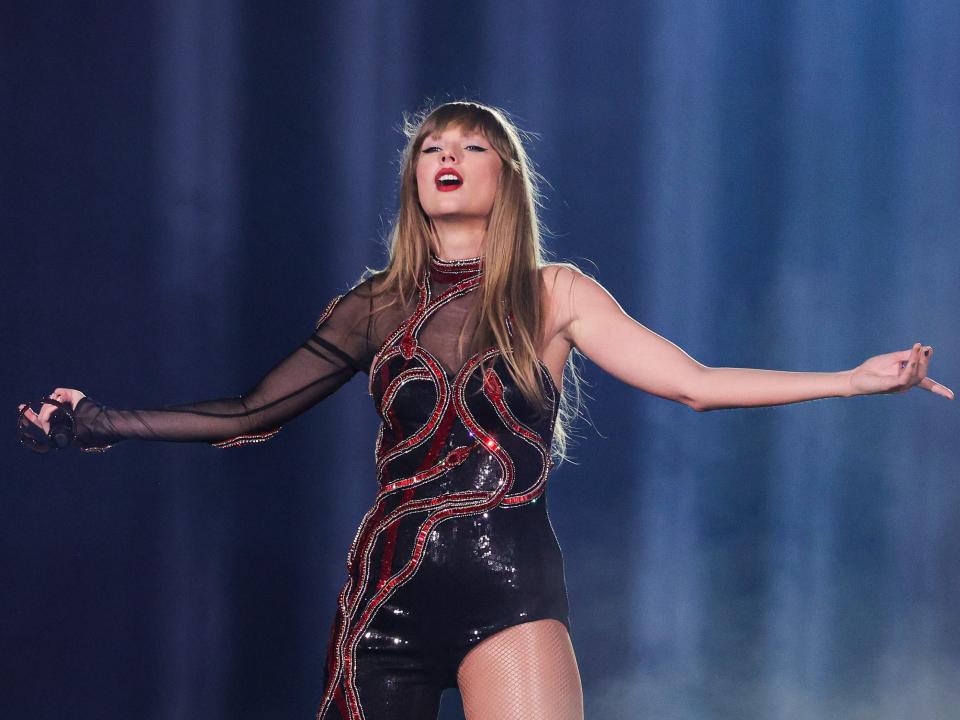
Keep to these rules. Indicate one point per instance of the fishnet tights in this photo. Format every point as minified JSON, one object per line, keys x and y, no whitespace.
{"x":525,"y":672}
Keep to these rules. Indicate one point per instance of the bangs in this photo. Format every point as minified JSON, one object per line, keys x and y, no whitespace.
{"x":468,"y":117}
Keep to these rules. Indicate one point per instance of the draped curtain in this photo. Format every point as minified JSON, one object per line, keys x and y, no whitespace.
{"x":766,"y":184}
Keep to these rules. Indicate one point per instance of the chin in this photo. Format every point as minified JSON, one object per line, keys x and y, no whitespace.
{"x":448,"y":209}
{"x":455,"y":206}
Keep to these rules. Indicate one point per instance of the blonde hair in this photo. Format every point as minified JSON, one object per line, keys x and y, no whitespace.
{"x":512,"y":252}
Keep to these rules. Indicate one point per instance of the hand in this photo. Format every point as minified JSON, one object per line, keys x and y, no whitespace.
{"x":42,"y":419}
{"x":896,"y":372}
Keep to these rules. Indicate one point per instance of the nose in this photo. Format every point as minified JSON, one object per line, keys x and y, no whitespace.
{"x":447,"y":156}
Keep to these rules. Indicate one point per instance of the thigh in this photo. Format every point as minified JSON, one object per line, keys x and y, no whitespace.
{"x":524,"y":672}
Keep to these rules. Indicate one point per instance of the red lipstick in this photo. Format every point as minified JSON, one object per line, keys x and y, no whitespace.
{"x":451,"y":179}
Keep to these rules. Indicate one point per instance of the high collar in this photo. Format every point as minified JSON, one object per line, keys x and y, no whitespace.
{"x":450,"y":271}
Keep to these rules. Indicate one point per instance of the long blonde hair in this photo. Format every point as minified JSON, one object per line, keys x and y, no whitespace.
{"x":512,"y":251}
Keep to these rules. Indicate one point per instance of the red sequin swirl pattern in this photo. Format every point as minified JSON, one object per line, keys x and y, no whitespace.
{"x":456,"y":545}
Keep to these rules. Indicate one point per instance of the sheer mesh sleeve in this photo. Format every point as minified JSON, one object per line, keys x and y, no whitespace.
{"x":339,"y":346}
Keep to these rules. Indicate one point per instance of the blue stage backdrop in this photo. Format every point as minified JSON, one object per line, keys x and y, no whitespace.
{"x":185,"y":185}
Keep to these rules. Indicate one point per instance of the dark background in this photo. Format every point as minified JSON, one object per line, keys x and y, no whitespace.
{"x":185,"y":185}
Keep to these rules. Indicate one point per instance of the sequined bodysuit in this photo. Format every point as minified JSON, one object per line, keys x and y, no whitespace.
{"x":458,"y":544}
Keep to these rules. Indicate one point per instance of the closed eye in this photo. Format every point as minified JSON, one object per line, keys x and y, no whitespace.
{"x":437,"y":147}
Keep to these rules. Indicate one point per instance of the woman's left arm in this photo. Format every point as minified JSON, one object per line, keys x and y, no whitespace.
{"x":594,"y":322}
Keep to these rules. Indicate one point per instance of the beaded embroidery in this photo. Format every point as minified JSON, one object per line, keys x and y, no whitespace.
{"x":329,"y":309}
{"x":100,"y":449}
{"x":401,"y":363}
{"x":246,"y":439}
{"x":255,"y":438}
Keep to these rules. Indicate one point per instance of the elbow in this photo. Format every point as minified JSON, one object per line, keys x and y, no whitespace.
{"x":692,"y":394}
{"x":691,"y":401}
{"x":695,"y":406}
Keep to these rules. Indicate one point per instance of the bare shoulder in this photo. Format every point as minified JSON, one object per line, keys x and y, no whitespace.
{"x":568,"y":289}
{"x":558,"y":281}
{"x":567,"y":277}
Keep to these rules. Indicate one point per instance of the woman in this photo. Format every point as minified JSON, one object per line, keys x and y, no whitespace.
{"x":455,"y":576}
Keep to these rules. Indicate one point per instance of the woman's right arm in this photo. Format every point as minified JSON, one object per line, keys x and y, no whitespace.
{"x":338,"y":347}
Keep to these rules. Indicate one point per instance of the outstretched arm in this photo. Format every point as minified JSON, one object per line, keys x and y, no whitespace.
{"x":328,"y":358}
{"x":596,"y":324}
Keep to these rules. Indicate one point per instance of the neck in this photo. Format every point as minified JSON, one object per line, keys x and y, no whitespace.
{"x":459,"y":238}
{"x":452,"y":271}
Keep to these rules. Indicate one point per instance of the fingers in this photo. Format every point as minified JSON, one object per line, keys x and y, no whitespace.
{"x":923,"y":362}
{"x":32,"y":417}
{"x":935,"y":387}
{"x":905,"y":355}
{"x":68,"y":395}
{"x":919,"y":375}
{"x":48,"y":409}
{"x":42,"y":419}
{"x":909,"y":364}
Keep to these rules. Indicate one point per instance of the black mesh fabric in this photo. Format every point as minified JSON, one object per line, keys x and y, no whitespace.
{"x":455,"y":573}
{"x":343,"y":343}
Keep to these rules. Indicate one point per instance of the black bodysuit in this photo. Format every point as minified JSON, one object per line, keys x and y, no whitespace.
{"x":458,"y":544}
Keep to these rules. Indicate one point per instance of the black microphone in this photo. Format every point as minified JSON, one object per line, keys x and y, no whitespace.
{"x":60,"y":433}
{"x":61,"y":427}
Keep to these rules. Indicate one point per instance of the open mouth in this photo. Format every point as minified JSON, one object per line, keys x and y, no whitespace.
{"x":448,"y":179}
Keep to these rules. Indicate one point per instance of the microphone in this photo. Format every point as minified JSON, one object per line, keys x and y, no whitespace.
{"x":61,"y":428}
{"x":60,"y":434}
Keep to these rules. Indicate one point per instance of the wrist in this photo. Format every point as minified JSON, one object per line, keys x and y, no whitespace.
{"x":846,"y":384}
